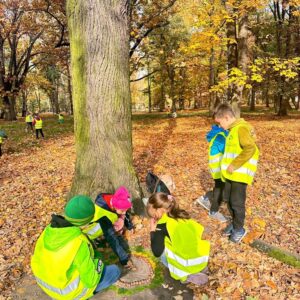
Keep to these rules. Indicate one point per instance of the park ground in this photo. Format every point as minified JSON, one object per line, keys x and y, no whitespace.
{"x":35,"y":177}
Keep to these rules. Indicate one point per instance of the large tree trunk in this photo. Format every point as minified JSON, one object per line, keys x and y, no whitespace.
{"x":101,"y":94}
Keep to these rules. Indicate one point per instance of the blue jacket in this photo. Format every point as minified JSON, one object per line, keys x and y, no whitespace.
{"x":219,"y":143}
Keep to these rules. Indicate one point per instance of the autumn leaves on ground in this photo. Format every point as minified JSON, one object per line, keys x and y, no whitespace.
{"x":34,"y":182}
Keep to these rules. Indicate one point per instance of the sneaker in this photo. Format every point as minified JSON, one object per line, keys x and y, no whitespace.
{"x":237,"y":235}
{"x":203,"y":201}
{"x":198,"y":279}
{"x":217,"y":216}
{"x":228,"y":230}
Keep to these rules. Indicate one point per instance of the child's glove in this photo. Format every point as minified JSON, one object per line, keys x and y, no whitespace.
{"x":119,"y":224}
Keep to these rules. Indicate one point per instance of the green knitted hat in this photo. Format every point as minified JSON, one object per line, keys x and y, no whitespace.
{"x":80,"y":210}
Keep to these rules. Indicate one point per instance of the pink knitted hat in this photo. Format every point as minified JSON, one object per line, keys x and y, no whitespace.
{"x":120,"y":199}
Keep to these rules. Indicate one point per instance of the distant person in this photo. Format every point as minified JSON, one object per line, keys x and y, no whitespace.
{"x":29,"y":120}
{"x":238,"y":166}
{"x":64,"y":263}
{"x":61,"y":118}
{"x":111,"y":220}
{"x":216,"y":138}
{"x":38,"y":124}
{"x":2,"y":137}
{"x":176,"y":239}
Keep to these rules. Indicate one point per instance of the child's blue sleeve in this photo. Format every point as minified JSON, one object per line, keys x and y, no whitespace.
{"x":218,"y":145}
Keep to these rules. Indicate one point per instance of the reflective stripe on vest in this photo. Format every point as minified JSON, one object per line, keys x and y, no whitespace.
{"x":247,"y":171}
{"x":38,"y":124}
{"x":186,"y":262}
{"x":214,"y":161}
{"x":67,"y":290}
{"x":94,"y":230}
{"x":96,"y":227}
{"x":177,"y":272}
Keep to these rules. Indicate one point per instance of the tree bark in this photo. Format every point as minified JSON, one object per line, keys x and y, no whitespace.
{"x":70,"y":89}
{"x":9,"y":108}
{"x":101,"y":93}
{"x":24,"y":103}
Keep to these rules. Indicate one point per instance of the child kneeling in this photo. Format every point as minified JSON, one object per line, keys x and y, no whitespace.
{"x":176,"y":238}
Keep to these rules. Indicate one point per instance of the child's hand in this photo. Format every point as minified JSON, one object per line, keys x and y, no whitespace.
{"x":119,"y":224}
{"x":230,"y":169}
{"x":153,"y":224}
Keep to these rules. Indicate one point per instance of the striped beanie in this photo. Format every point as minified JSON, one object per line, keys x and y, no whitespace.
{"x":79,"y":210}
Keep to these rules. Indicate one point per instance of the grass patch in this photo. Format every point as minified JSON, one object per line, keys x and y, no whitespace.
{"x":19,"y":139}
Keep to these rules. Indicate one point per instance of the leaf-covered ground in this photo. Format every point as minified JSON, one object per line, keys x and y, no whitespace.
{"x":33,"y":184}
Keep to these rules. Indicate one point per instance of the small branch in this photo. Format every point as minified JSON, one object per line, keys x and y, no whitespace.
{"x":147,"y":75}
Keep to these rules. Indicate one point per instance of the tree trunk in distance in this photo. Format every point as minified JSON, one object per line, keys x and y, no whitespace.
{"x":101,"y":94}
{"x":24,"y":103}
{"x":9,"y":108}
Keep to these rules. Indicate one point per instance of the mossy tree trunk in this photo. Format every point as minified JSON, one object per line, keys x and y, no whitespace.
{"x":101,"y":94}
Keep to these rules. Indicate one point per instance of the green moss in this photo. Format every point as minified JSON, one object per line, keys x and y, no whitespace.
{"x":78,"y":43}
{"x":284,"y":257}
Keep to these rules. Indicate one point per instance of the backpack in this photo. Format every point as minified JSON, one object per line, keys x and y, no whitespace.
{"x":155,"y":184}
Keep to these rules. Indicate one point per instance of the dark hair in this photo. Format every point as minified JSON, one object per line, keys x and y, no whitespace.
{"x":162,"y":200}
{"x":222,"y":110}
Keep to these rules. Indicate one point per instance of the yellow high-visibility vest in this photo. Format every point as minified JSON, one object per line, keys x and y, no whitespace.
{"x":55,"y":273}
{"x":38,"y":124}
{"x":185,"y":251}
{"x":247,"y":171}
{"x":28,"y":119}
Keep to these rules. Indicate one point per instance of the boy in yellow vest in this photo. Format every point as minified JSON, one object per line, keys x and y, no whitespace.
{"x":238,"y":166}
{"x":64,"y":262}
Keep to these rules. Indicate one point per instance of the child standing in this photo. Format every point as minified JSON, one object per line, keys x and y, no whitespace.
{"x":216,"y":138}
{"x":38,"y":124}
{"x":28,"y":120}
{"x":110,"y":219}
{"x":61,"y":118}
{"x":238,"y":166}
{"x":177,"y":240}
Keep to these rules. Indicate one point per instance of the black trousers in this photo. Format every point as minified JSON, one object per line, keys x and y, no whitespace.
{"x":217,"y":195}
{"x":29,"y":125}
{"x":0,"y":149}
{"x":235,"y":192}
{"x":37,"y":133}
